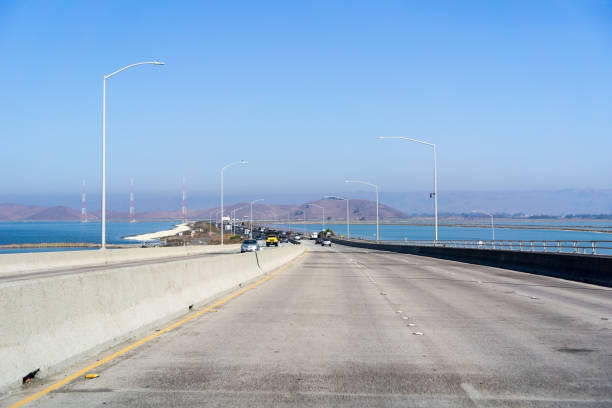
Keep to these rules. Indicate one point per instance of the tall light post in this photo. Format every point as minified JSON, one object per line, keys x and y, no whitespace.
{"x":348,"y":224}
{"x":253,"y":202}
{"x":223,"y":169}
{"x":376,"y":187}
{"x":210,"y":220}
{"x":492,"y":224}
{"x":435,"y":174}
{"x":323,"y":208}
{"x":103,"y":245}
{"x":234,"y":216}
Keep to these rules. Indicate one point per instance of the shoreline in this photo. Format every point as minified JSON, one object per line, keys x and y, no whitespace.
{"x":151,"y":236}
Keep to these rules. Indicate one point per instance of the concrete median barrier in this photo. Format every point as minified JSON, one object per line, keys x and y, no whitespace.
{"x":271,"y":258}
{"x":46,"y":322}
{"x":24,"y":262}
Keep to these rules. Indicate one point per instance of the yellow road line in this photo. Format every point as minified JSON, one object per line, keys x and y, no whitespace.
{"x":140,"y":342}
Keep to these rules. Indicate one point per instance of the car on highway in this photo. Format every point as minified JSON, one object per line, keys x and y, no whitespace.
{"x":283,"y":239}
{"x":249,"y":245}
{"x":297,"y":237}
{"x":272,"y":239}
{"x":326,"y":242}
{"x":314,"y":235}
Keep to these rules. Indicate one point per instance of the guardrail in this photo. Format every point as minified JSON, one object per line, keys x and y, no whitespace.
{"x":589,"y":268}
{"x":559,"y":246}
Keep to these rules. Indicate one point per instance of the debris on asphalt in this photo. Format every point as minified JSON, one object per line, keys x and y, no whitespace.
{"x":383,"y":293}
{"x":398,"y":311}
{"x":411,"y":324}
{"x":29,"y":376}
{"x":418,"y":333}
{"x":91,"y":376}
{"x":404,"y":317}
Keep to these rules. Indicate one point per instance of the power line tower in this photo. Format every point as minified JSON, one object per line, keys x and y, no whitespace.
{"x":132,"y":214}
{"x":184,"y":207}
{"x":83,"y":204}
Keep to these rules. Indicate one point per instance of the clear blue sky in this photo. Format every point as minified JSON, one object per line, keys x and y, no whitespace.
{"x":517,"y":95}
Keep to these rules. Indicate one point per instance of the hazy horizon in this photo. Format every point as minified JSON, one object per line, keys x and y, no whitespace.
{"x":551,"y":202}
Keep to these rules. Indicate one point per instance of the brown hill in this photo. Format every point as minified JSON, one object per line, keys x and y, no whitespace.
{"x":18,"y":212}
{"x":335,"y":210}
{"x":58,"y":213}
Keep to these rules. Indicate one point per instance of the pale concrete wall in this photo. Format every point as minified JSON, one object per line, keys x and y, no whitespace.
{"x":24,"y":262}
{"x":47,"y":321}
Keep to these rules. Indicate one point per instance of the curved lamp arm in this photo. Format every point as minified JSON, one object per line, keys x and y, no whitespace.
{"x":233,"y":164}
{"x":133,"y":65}
{"x":361,"y":182}
{"x":406,"y":138}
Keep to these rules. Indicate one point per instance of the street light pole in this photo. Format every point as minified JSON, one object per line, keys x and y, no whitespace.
{"x":376,"y":187}
{"x":492,"y":225}
{"x":253,"y":202}
{"x":235,"y":210}
{"x":103,"y":242}
{"x":323,"y":208}
{"x":348,"y":224}
{"x":435,"y":172}
{"x":222,"y":169}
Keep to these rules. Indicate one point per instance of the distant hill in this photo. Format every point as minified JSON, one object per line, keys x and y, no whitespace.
{"x":334,"y":210}
{"x":58,"y":213}
{"x":161,"y":206}
{"x":396,"y":206}
{"x":18,"y":212}
{"x":554,"y":202}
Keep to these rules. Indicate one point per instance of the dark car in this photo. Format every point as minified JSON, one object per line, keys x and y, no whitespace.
{"x":283,"y":238}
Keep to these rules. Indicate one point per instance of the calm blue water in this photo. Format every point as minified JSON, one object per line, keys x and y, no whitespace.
{"x":37,"y":232}
{"x":412,"y":232}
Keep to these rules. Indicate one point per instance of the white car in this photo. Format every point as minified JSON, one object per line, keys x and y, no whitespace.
{"x":249,"y":245}
{"x":297,"y":237}
{"x":326,"y":242}
{"x":314,"y":235}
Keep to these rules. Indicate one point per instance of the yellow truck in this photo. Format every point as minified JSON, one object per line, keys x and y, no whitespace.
{"x":272,"y":239}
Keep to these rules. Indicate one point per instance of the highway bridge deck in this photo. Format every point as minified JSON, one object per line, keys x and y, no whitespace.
{"x":351,"y":327}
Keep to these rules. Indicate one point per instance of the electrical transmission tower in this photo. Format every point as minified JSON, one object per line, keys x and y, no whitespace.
{"x":83,"y":204}
{"x":132,"y":214}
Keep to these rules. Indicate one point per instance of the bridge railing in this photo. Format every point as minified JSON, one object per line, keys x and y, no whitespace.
{"x":559,"y":246}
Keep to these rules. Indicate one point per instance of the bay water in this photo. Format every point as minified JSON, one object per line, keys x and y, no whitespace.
{"x":89,"y":232}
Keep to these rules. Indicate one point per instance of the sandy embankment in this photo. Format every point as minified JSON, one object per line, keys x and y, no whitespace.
{"x":160,"y":234}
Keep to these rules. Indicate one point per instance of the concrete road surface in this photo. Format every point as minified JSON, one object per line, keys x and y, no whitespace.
{"x":359,"y":328}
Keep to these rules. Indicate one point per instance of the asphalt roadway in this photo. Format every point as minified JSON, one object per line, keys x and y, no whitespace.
{"x":359,"y":328}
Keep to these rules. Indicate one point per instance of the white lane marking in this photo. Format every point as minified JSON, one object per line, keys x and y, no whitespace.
{"x":471,"y":391}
